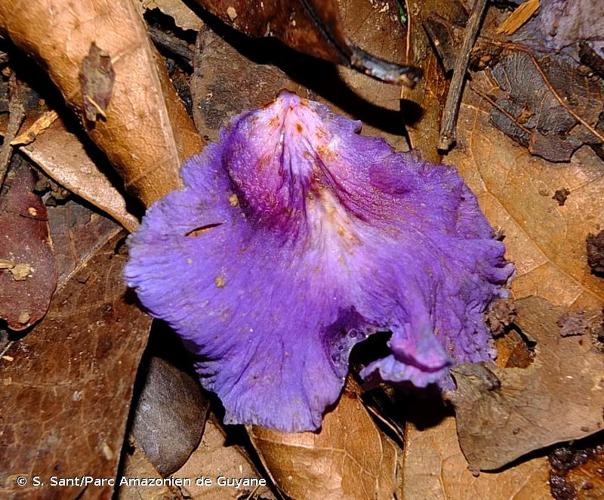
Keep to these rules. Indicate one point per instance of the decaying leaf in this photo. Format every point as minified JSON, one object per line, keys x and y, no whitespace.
{"x":595,"y":253}
{"x":220,"y":72}
{"x":309,"y":26}
{"x":513,"y":351}
{"x":178,"y":10}
{"x":545,"y":241}
{"x":375,"y":26}
{"x":169,"y":416}
{"x":223,"y":68}
{"x":32,"y":130}
{"x":65,"y":159}
{"x":577,"y":471}
{"x":78,"y":233}
{"x":350,"y":458}
{"x":435,"y":468}
{"x":136,"y":465}
{"x":513,"y":411}
{"x":69,"y":386}
{"x":147,"y":133}
{"x":96,"y":83}
{"x":28,"y":275}
{"x":528,"y":111}
{"x":216,"y":457}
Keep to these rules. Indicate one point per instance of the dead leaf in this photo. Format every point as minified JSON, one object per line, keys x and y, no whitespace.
{"x":96,"y":83}
{"x":136,"y":465}
{"x":513,"y":351}
{"x":350,"y":458}
{"x":147,"y":133}
{"x":545,"y":241}
{"x":577,"y":471}
{"x":169,"y":415}
{"x":223,"y":67}
{"x":436,"y":469}
{"x":375,"y":26}
{"x":559,"y":397}
{"x":220,"y":72}
{"x":64,"y":158}
{"x":178,"y":10}
{"x":29,"y":277}
{"x":216,"y":458}
{"x":529,"y":110}
{"x":595,"y":253}
{"x":66,"y":395}
{"x":309,"y":26}
{"x":36,"y":128}
{"x":78,"y":234}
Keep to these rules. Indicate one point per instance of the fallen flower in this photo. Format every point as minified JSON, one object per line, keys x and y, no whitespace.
{"x":294,"y":239}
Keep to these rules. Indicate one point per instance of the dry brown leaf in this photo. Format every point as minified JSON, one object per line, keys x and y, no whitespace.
{"x":28,"y":275}
{"x":64,"y":158}
{"x":222,"y":70}
{"x":137,"y":465}
{"x":558,"y":398}
{"x":66,"y":394}
{"x":436,"y":469}
{"x":169,"y":415}
{"x":519,"y":17}
{"x":350,"y":458}
{"x":312,"y":27}
{"x":374,"y":25}
{"x":34,"y":129}
{"x":178,"y":10}
{"x":545,"y":241}
{"x":147,"y":133}
{"x":215,"y":458}
{"x":78,"y":233}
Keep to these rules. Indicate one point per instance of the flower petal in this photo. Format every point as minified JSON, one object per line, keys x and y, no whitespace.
{"x":295,"y":238}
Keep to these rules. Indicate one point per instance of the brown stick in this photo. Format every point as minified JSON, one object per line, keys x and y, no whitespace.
{"x":449,"y":118}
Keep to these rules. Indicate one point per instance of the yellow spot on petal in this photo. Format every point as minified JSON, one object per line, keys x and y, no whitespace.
{"x":219,"y":281}
{"x":233,"y":200}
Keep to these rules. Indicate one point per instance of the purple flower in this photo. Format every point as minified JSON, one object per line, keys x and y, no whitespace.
{"x":294,"y":239}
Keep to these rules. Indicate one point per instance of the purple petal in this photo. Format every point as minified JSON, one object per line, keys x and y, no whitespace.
{"x":294,"y":239}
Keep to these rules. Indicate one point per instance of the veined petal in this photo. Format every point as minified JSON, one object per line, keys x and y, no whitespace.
{"x":295,"y":238}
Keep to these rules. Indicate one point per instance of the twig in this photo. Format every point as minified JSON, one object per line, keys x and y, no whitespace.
{"x":449,"y":118}
{"x":408,"y":36}
{"x":15,"y":119}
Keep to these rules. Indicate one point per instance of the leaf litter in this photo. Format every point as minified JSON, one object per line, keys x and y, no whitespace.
{"x":549,"y":212}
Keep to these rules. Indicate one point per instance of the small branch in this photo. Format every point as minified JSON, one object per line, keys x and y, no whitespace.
{"x":449,"y":118}
{"x":15,"y":119}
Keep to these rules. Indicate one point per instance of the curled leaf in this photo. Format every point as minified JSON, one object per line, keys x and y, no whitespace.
{"x":147,"y":133}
